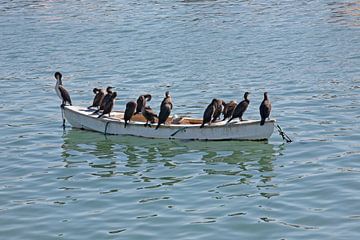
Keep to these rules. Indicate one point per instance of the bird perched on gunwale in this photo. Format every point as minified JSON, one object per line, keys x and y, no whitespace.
{"x":129,"y":111}
{"x":105,"y":99}
{"x":265,"y":108}
{"x":62,"y":93}
{"x":148,"y":114}
{"x":140,"y":102}
{"x":219,"y":104}
{"x":99,"y":95}
{"x":209,"y":112}
{"x":241,"y":108}
{"x":165,"y":109}
{"x":109,"y":105}
{"x":229,"y":109}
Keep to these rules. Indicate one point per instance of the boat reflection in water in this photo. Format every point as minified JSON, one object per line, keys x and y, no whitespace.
{"x":153,"y":163}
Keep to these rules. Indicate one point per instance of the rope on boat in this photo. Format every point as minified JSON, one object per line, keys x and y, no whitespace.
{"x":106,"y":126}
{"x":283,"y":134}
{"x":177,"y":131}
{"x":62,"y":115}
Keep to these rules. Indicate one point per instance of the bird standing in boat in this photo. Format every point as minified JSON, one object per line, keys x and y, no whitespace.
{"x":219,"y":104}
{"x":109,"y":105}
{"x":105,"y":99}
{"x":229,"y":109}
{"x":140,"y":102}
{"x":165,"y":109}
{"x":129,"y":111}
{"x":209,"y":112}
{"x":241,"y":108}
{"x":99,"y":95}
{"x":62,"y":93}
{"x":148,"y":114}
{"x":265,"y":109}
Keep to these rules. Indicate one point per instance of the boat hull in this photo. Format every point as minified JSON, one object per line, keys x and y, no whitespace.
{"x":83,"y":118}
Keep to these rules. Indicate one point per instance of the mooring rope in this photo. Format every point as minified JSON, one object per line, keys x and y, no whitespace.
{"x":177,"y":131}
{"x":62,"y":115}
{"x":106,"y":126}
{"x":283,"y":134}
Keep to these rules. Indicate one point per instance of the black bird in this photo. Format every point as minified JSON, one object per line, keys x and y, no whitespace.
{"x":148,"y":113}
{"x":209,"y":112}
{"x":265,"y":109}
{"x":140,"y":102}
{"x":129,"y":111}
{"x":241,"y":108}
{"x":218,"y":109}
{"x":105,"y":99}
{"x":229,"y":109}
{"x":99,"y":95}
{"x":165,"y":109}
{"x":61,"y":91}
{"x":109,"y":105}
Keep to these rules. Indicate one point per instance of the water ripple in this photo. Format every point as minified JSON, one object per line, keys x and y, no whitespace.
{"x":55,"y":183}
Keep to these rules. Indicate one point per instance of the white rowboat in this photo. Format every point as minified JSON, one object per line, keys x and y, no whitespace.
{"x":175,"y":128}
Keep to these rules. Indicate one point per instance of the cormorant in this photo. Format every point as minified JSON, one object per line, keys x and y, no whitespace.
{"x":61,"y":91}
{"x":140,"y":102}
{"x":165,"y":109}
{"x":105,"y":99}
{"x":108,"y":105}
{"x":209,"y":112}
{"x":265,"y":109}
{"x":148,"y":114}
{"x":129,"y":111}
{"x":218,"y":109}
{"x":229,"y":109}
{"x":241,"y":108}
{"x":99,"y":95}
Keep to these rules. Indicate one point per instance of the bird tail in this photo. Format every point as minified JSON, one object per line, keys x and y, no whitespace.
{"x":262,"y":122}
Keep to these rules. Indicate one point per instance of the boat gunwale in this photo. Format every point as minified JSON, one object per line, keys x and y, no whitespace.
{"x":171,"y":126}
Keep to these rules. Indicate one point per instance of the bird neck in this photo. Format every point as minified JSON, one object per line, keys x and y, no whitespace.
{"x":58,"y":82}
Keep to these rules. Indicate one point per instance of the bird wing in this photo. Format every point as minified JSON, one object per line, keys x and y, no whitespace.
{"x":265,"y":109}
{"x":208,"y":114}
{"x":150,"y":112}
{"x":164,"y":113}
{"x":108,"y":107}
{"x":64,"y":94}
{"x":130,"y":110}
{"x":240,"y":108}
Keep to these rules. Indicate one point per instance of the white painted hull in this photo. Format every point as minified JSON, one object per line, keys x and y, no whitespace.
{"x":83,"y":118}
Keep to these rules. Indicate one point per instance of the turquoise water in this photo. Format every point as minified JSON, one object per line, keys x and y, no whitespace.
{"x":74,"y":184}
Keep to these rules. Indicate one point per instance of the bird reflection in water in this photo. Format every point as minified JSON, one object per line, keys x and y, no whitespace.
{"x":149,"y":161}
